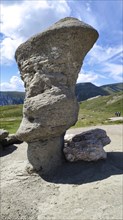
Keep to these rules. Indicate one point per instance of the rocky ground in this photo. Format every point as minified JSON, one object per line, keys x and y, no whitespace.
{"x":77,"y":191}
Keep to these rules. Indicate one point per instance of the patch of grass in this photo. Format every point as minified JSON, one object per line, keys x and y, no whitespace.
{"x":98,"y":111}
{"x":11,"y":111}
{"x":10,"y":117}
{"x":10,"y":126}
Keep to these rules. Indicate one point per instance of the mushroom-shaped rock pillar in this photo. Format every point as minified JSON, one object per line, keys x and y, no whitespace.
{"x":49,"y":63}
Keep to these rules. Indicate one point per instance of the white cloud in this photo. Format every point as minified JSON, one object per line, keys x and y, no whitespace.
{"x":15,"y":84}
{"x":88,"y":6}
{"x":99,"y":54}
{"x":87,"y":77}
{"x":114,"y":70}
{"x":105,"y":58}
{"x":8,"y":47}
{"x":23,"y":19}
{"x":83,"y":11}
{"x":106,"y":61}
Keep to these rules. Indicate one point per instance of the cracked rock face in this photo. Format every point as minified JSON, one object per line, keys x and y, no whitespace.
{"x":49,"y":64}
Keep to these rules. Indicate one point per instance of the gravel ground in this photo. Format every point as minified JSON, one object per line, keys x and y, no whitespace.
{"x":77,"y":191}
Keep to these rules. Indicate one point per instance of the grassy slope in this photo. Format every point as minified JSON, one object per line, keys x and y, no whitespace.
{"x":10,"y":117}
{"x":98,"y":110}
{"x":92,"y":112}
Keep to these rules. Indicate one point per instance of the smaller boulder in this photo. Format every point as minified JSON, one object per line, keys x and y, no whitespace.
{"x":10,"y":140}
{"x":7,"y":139}
{"x":87,"y":146}
{"x":3,"y":134}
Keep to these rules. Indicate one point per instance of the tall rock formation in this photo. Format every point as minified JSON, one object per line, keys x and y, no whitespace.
{"x":49,"y":63}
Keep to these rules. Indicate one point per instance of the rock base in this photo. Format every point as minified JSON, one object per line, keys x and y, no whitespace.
{"x":45,"y":156}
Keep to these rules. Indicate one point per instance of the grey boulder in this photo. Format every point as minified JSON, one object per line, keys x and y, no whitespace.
{"x":87,"y":146}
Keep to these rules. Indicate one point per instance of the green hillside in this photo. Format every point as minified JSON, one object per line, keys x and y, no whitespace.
{"x":92,"y":112}
{"x":98,"y":110}
{"x":87,"y":90}
{"x":10,"y":117}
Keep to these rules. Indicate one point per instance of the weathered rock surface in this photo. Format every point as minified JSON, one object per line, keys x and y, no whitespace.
{"x":49,"y":63}
{"x":48,"y":152}
{"x":87,"y":146}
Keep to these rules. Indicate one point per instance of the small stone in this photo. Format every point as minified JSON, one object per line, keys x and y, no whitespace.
{"x":3,"y":134}
{"x":12,"y":139}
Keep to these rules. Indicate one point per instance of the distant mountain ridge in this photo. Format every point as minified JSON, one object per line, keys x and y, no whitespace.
{"x":111,"y":88}
{"x":83,"y":91}
{"x":11,"y":98}
{"x":88,"y":90}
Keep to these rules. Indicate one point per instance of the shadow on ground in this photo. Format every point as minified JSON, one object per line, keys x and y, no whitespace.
{"x":7,"y":150}
{"x":85,"y":172}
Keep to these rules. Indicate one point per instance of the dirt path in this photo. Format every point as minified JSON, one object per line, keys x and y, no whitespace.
{"x":79,"y":191}
{"x":116,"y":119}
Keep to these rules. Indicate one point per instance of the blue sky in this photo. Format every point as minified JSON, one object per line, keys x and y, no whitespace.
{"x":20,"y":19}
